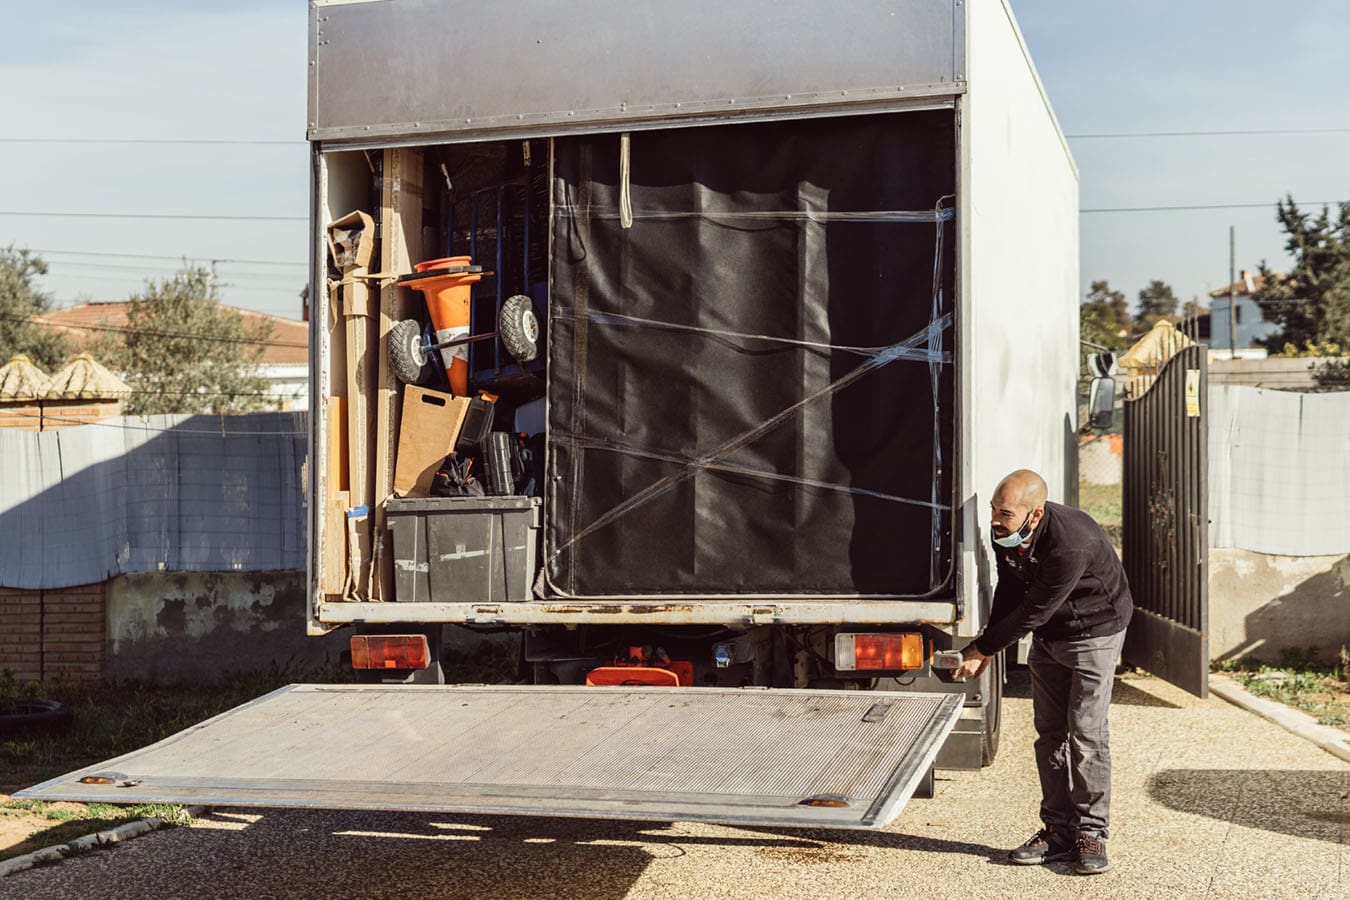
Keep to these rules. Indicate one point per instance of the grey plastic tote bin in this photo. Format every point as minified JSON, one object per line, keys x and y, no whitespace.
{"x":464,"y":549}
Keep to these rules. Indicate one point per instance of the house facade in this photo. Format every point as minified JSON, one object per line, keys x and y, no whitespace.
{"x":285,"y":357}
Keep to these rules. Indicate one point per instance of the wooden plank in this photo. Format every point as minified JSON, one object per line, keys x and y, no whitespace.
{"x":400,"y":247}
{"x":333,"y":577}
{"x":336,"y":419}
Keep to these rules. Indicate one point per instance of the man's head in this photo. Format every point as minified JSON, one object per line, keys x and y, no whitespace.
{"x":1017,"y":507}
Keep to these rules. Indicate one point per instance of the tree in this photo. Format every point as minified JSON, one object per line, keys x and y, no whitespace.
{"x":1311,"y":301}
{"x":1157,"y":301}
{"x":185,"y":353}
{"x":1193,"y":309}
{"x":20,"y":301}
{"x":1104,"y":317}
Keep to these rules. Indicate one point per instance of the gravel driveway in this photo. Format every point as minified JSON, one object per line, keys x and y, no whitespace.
{"x":1209,"y":800}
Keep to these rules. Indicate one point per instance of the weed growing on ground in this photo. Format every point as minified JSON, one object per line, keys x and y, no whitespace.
{"x":110,"y":719}
{"x":71,"y":821}
{"x":1300,"y":681}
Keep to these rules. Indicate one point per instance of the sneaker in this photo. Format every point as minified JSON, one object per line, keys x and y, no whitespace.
{"x":1091,"y":855}
{"x":1046,"y":845}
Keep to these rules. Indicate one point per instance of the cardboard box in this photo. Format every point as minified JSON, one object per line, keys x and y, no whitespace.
{"x":430,"y":427}
{"x":351,"y":241}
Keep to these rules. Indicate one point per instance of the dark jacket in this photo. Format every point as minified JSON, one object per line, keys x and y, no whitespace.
{"x":1070,"y":584}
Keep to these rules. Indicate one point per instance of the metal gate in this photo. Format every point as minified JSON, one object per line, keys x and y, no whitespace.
{"x":1166,"y":512}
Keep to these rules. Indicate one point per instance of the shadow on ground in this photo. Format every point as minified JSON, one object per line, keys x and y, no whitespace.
{"x":1303,"y":803}
{"x":1127,"y":694}
{"x":1124,"y":693}
{"x":338,"y":854}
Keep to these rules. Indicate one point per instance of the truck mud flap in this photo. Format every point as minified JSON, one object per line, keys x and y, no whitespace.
{"x":750,"y":756}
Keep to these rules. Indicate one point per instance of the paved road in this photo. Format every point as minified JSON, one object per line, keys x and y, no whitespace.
{"x":1210,"y":801}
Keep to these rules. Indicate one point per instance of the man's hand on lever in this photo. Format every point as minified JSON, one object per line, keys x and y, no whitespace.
{"x":973,"y":664}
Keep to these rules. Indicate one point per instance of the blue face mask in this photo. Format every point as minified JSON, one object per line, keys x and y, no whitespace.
{"x":1016,"y":538}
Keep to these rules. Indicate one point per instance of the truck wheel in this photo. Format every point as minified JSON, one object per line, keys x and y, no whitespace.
{"x":993,"y":712}
{"x":519,"y":329}
{"x":407,"y":355}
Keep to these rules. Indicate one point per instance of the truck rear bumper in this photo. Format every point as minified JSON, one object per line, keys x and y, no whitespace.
{"x":666,"y":612}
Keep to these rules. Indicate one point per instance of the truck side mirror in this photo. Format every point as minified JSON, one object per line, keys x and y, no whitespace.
{"x":1102,"y":403}
{"x":1102,"y":365}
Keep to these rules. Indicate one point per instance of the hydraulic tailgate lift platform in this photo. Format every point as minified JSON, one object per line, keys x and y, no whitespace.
{"x":752,"y":756}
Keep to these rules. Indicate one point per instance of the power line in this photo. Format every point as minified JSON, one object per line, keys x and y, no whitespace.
{"x":248,"y":142}
{"x":1231,"y":133}
{"x":56,"y":270}
{"x":151,"y":332}
{"x":289,"y":287}
{"x":230,"y":142}
{"x":171,"y":216}
{"x":65,"y":420}
{"x":248,"y":262}
{"x":1268,"y":205}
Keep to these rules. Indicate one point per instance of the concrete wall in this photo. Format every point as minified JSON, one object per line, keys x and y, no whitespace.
{"x":197,"y":626}
{"x":1276,"y":373}
{"x":1261,"y":605}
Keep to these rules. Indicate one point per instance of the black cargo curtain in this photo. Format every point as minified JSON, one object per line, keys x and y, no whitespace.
{"x":685,"y":456}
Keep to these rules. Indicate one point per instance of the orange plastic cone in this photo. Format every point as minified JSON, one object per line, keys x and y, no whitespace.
{"x":449,"y":300}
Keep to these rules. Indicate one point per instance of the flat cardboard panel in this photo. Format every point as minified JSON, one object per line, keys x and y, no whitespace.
{"x":400,"y":247}
{"x":431,"y":423}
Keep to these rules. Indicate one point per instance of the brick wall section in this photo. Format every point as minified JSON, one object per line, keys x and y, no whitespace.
{"x":21,"y":633}
{"x":21,"y":417}
{"x":53,"y":634}
{"x":74,"y":632}
{"x":65,"y":414}
{"x":53,"y":415}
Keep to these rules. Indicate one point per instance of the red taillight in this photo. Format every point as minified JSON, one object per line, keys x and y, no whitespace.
{"x":878,"y":652}
{"x":390,"y":651}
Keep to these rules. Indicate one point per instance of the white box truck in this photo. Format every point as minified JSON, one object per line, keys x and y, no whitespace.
{"x":806,"y":285}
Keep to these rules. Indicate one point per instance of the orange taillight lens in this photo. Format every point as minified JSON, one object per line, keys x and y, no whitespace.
{"x":390,"y":651}
{"x":878,"y":652}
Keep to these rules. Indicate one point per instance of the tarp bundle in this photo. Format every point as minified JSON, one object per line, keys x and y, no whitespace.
{"x":751,"y":388}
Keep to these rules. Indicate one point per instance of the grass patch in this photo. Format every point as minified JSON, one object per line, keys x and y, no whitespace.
{"x":112,"y":719}
{"x":1103,"y":502}
{"x":72,"y":820}
{"x":1299,"y":681}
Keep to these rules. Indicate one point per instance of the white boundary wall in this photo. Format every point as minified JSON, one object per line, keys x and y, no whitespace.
{"x":1279,"y":471}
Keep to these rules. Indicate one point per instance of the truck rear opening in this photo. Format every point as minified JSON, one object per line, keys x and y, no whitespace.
{"x":835,"y":759}
{"x":748,"y":385}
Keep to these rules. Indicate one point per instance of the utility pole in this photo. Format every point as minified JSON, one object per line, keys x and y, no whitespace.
{"x":1232,"y":292}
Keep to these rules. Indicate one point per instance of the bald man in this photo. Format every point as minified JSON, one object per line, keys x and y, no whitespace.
{"x":1059,"y":579}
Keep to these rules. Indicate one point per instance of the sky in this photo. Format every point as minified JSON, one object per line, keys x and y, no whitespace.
{"x":196,"y":71}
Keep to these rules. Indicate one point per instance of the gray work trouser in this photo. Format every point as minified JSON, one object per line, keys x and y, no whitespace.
{"x":1071,"y":695}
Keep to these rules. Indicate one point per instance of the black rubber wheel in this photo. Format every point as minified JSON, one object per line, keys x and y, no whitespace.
{"x":407,"y":355}
{"x":31,"y":716}
{"x":993,"y":711}
{"x":519,"y":329}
